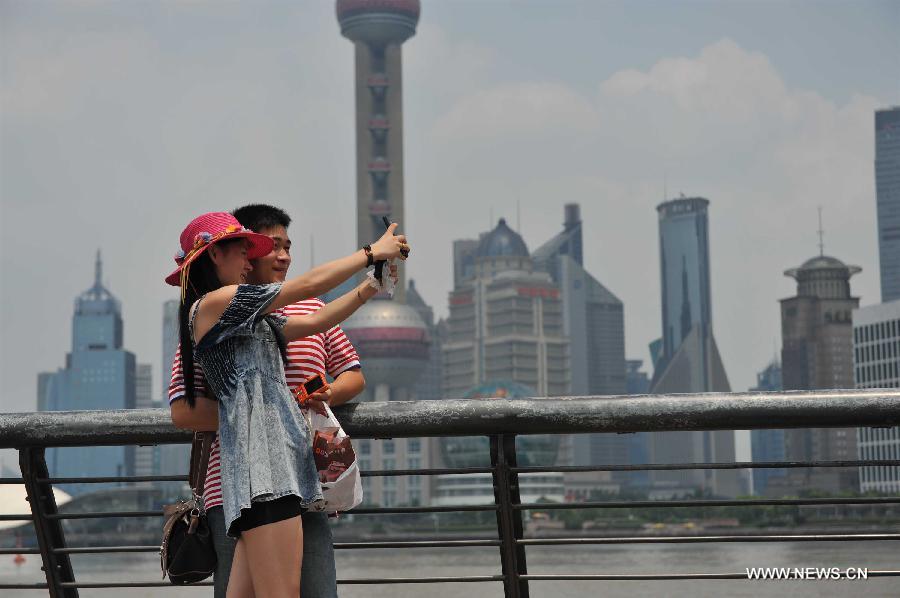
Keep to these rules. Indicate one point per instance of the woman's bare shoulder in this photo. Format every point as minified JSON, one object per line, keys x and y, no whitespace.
{"x":216,"y":301}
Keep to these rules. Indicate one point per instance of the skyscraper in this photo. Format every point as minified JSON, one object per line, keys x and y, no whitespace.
{"x":593,"y":317}
{"x":817,"y":353}
{"x":378,"y":29}
{"x":767,"y":445}
{"x":637,"y":383}
{"x":688,"y":360}
{"x":463,"y":260}
{"x":169,"y":345}
{"x":686,"y":303}
{"x":428,"y":386}
{"x":593,"y":321}
{"x":876,"y":350}
{"x":169,"y":459}
{"x":887,"y":189}
{"x":145,"y":457}
{"x":505,"y":322}
{"x":99,"y":374}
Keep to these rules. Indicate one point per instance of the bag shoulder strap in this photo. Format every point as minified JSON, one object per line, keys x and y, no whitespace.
{"x":199,"y":461}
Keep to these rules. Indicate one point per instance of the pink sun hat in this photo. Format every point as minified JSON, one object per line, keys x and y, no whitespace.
{"x":206,"y":229}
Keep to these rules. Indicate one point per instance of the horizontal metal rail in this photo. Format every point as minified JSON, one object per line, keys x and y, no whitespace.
{"x":710,"y":539}
{"x":116,"y":480}
{"x":558,"y":415}
{"x":694,"y":466}
{"x":501,"y":421}
{"x":415,"y":544}
{"x":666,"y":576}
{"x":626,"y":504}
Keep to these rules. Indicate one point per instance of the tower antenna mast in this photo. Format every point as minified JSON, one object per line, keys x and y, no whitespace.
{"x":821,"y":235}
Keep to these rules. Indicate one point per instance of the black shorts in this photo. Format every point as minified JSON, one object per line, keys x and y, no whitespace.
{"x":265,"y":512}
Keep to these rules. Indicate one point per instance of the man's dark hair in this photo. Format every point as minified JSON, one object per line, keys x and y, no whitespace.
{"x":260,"y":216}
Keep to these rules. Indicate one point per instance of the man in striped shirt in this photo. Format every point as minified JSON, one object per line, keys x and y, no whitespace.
{"x":330,"y":353}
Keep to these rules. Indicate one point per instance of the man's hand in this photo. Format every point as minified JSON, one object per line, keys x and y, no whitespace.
{"x":316,"y":401}
{"x":346,"y":386}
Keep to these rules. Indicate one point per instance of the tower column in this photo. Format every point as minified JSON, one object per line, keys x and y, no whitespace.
{"x":378,"y":30}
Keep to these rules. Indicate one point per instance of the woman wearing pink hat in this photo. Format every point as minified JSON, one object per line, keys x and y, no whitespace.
{"x":268,"y":472}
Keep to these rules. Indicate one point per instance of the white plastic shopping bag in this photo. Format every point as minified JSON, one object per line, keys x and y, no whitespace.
{"x":335,"y":462}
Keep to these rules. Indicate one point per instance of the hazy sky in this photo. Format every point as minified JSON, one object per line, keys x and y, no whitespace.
{"x":123,"y":120}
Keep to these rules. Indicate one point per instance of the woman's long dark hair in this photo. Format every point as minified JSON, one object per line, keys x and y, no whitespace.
{"x":203,"y":279}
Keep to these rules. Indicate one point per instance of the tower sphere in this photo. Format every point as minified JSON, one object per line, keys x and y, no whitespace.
{"x":378,"y":22}
{"x":392,"y":340}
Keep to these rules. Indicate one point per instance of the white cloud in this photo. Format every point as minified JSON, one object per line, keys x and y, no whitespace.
{"x":518,"y":109}
{"x":724,"y":79}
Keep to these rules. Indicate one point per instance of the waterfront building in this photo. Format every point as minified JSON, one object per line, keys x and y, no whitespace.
{"x":876,"y":364}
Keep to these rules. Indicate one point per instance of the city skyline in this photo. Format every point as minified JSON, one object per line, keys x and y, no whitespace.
{"x":555,"y":140}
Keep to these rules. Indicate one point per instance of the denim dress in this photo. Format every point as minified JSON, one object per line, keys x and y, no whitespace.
{"x":265,"y":446}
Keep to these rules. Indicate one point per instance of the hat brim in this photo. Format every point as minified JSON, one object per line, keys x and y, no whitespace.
{"x":260,"y":245}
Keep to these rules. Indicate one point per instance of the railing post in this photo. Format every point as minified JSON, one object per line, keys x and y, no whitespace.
{"x":57,"y":567}
{"x":509,"y":520}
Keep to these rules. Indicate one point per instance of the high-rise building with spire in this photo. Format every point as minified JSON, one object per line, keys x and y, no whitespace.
{"x":98,"y":374}
{"x":688,"y":360}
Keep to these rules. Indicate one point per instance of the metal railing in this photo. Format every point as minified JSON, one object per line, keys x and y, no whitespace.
{"x":501,"y":421}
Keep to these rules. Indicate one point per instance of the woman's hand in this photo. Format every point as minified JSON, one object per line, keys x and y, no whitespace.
{"x":390,"y":245}
{"x":366,"y":291}
{"x":393,"y":274}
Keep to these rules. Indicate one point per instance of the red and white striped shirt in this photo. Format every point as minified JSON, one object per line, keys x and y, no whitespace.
{"x":327,"y":353}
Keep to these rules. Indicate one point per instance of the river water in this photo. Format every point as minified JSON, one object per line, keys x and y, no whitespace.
{"x":641,"y":558}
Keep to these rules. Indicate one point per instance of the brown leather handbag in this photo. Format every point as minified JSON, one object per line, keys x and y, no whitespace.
{"x":187,"y":554}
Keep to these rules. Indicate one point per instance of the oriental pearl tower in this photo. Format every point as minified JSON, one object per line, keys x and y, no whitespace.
{"x":391,"y":337}
{"x":378,"y":29}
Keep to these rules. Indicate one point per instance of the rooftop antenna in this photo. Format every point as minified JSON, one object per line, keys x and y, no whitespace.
{"x":821,"y":235}
{"x":98,"y":271}
{"x":518,"y":216}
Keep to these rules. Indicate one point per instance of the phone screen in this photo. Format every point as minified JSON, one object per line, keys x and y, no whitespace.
{"x":313,"y":384}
